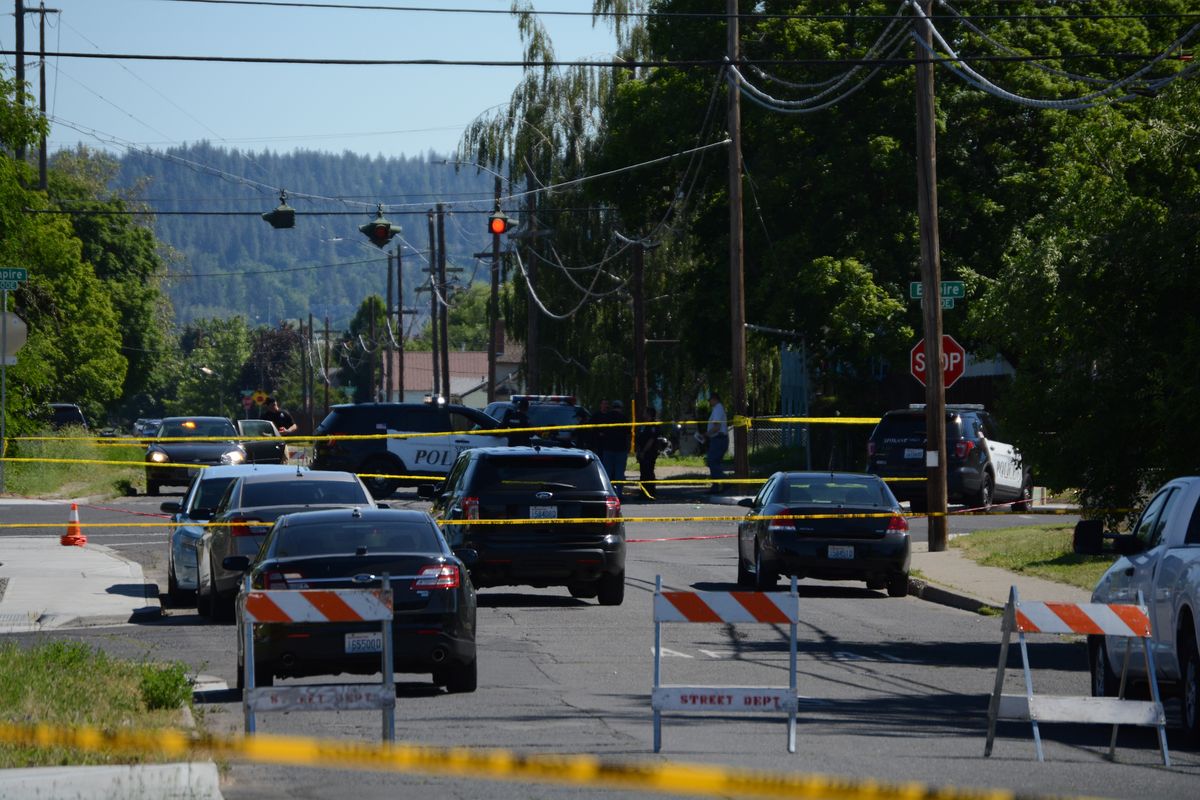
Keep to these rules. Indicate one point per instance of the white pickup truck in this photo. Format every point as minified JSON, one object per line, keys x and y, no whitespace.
{"x":1161,"y":560}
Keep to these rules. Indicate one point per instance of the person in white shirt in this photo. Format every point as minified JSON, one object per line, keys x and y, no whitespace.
{"x":718,"y":440}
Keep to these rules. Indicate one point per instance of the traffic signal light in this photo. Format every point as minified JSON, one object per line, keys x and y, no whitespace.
{"x":282,"y":217}
{"x":498,"y":223}
{"x":379,"y":230}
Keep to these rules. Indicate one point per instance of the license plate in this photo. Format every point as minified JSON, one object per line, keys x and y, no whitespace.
{"x":841,"y":551}
{"x":912,"y":452}
{"x":543,"y":512}
{"x":364,"y":642}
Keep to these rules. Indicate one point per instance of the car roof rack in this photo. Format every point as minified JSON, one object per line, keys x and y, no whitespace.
{"x":952,"y":406}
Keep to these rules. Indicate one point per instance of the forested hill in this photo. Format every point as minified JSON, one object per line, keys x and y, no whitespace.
{"x":323,"y":265}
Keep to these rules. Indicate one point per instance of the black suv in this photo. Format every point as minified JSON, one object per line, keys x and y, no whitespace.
{"x":542,"y":410}
{"x":386,"y":458}
{"x":980,"y":468}
{"x":63,"y":415}
{"x":535,"y":483}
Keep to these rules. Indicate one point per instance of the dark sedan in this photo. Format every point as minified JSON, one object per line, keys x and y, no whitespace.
{"x":433,"y":627}
{"x":848,"y":527}
{"x":185,"y":445}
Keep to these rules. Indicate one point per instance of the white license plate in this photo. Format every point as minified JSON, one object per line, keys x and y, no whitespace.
{"x":841,"y":551}
{"x":364,"y":642}
{"x":912,"y":452}
{"x":543,"y":512}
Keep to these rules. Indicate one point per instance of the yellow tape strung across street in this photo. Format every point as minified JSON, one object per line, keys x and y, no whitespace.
{"x":701,"y":780}
{"x":103,"y":461}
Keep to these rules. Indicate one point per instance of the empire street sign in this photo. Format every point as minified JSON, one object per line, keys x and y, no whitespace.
{"x":954,"y":290}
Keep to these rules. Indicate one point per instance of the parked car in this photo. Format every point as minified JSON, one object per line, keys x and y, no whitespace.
{"x":188,"y":518}
{"x":521,"y":483}
{"x":381,"y":460}
{"x":854,"y":530}
{"x":64,"y":415}
{"x":262,"y":441}
{"x":146,"y":427}
{"x":981,"y":468}
{"x":542,"y":410}
{"x":1160,"y":561}
{"x":433,"y":627}
{"x":243,"y":516}
{"x":196,"y":442}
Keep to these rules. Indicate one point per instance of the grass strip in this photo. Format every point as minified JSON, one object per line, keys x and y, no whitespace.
{"x":50,"y":479}
{"x":1044,"y":551}
{"x":69,"y":684}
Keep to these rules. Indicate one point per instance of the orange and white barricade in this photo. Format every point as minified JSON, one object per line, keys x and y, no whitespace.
{"x":725,"y":608}
{"x":308,"y":606}
{"x":1117,"y":619}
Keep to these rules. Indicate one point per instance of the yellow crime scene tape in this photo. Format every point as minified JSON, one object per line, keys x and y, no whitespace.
{"x":494,"y":764}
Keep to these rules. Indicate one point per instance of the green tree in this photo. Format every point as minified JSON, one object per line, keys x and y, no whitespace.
{"x":209,"y":375}
{"x":360,"y":354}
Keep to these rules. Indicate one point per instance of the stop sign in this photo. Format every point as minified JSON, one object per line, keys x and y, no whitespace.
{"x":954,"y":361}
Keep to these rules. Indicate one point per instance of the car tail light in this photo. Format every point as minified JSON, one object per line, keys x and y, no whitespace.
{"x":612,"y":508}
{"x":781,"y":526}
{"x":870,"y":449}
{"x":240,"y":526}
{"x":444,"y":576}
{"x":274,"y":579}
{"x":964,"y":448}
{"x":897,"y":524}
{"x":470,"y":507}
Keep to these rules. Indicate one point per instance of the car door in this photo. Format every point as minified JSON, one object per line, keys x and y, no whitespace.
{"x":748,"y":529}
{"x":259,"y":449}
{"x":1006,"y":462}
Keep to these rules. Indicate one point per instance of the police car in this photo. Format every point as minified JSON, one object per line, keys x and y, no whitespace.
{"x":349,"y":439}
{"x":543,"y":410}
{"x":981,"y":468}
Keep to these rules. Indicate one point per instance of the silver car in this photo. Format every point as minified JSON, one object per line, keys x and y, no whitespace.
{"x":188,"y":518}
{"x":245,"y":513}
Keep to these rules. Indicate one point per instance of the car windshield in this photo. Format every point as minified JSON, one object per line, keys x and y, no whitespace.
{"x":206,"y":428}
{"x":347,"y":536}
{"x":518,"y":474}
{"x":302,"y":492}
{"x":829,"y":491}
{"x":258,"y":427}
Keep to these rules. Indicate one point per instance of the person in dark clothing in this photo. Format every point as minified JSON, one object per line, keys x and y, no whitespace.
{"x":597,"y":438}
{"x":616,"y":446}
{"x":282,"y":419}
{"x":646,"y":445}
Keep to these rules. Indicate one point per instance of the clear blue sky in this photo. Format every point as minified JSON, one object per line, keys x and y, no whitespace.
{"x":395,"y":110}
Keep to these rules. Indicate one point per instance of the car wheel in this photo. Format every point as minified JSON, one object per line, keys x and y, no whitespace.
{"x":984,"y":498}
{"x":765,"y":578}
{"x":877,"y":584}
{"x":611,"y":589}
{"x":744,"y":577}
{"x":152,"y":488}
{"x":583,"y":591}
{"x":1104,"y":682}
{"x":1025,"y":501}
{"x":381,"y":487}
{"x":1190,"y":672}
{"x":458,"y":678}
{"x":897,"y":585}
{"x":177,"y":596}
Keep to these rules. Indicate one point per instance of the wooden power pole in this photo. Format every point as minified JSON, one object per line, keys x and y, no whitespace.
{"x":494,"y":308}
{"x":443,"y":300}
{"x":737,"y":299}
{"x":433,"y":307}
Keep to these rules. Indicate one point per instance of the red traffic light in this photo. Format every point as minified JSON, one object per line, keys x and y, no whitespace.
{"x":379,"y":231}
{"x":497,"y":224}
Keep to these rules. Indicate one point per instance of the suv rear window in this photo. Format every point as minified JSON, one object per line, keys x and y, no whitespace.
{"x":301,"y":492}
{"x":533,"y":472}
{"x":910,"y":428}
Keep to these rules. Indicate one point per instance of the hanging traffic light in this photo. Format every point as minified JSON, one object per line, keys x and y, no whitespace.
{"x":379,"y":230}
{"x":282,"y":217}
{"x":498,"y":223}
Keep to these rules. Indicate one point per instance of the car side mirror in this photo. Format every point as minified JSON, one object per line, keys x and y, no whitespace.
{"x":1128,"y":545}
{"x":171,"y":507}
{"x":426,"y":491}
{"x":236,"y":563}
{"x":1088,"y":539}
{"x":468,"y":556}
{"x":746,"y":502}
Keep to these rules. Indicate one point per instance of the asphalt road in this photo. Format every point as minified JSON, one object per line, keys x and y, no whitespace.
{"x":892,"y":689}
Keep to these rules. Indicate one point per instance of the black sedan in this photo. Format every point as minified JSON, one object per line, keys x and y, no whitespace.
{"x":433,"y":627}
{"x":185,"y":445}
{"x":848,"y":526}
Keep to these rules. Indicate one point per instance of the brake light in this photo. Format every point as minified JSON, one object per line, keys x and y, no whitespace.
{"x":240,"y":526}
{"x":897,"y":524}
{"x":782,"y":525}
{"x":470,"y":508}
{"x":612,"y":508}
{"x":963,"y":449}
{"x":443,"y":576}
{"x":284,"y":580}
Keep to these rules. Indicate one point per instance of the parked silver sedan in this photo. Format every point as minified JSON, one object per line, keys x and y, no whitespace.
{"x":189,"y":516}
{"x":249,"y":507}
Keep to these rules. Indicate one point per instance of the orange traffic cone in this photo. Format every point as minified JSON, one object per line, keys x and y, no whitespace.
{"x":74,"y":534}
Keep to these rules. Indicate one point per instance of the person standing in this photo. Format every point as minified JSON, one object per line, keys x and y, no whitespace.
{"x":616,"y":447}
{"x":597,"y":438}
{"x":647,"y":447}
{"x":282,"y":419}
{"x":717,"y":432}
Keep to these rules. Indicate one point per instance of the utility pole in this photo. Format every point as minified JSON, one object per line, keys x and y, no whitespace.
{"x":533,"y":377}
{"x":931,"y":277}
{"x":433,"y":307}
{"x":640,"y":392}
{"x":389,"y":370}
{"x":737,"y":299}
{"x":311,"y":398}
{"x":444,"y":290}
{"x":374,"y":390}
{"x":325,"y":367}
{"x":400,"y":324}
{"x":20,"y":66}
{"x":494,"y":307}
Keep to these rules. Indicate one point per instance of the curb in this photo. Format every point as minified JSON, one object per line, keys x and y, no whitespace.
{"x":932,"y":593}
